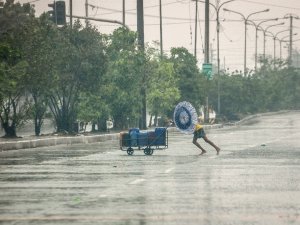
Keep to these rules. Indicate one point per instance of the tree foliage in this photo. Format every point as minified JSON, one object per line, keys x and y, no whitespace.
{"x":79,"y":66}
{"x":14,"y":25}
{"x":190,"y":82}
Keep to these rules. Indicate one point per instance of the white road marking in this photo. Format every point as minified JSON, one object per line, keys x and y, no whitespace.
{"x":102,"y":196}
{"x":137,"y":181}
{"x":169,"y":170}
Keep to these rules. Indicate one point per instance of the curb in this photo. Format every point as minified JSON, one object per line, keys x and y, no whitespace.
{"x":53,"y":141}
{"x":240,"y":122}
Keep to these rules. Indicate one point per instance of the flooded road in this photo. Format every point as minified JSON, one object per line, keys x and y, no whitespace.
{"x":254,"y":180}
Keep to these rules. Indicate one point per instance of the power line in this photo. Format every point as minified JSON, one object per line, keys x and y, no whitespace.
{"x":268,"y":4}
{"x":127,"y":11}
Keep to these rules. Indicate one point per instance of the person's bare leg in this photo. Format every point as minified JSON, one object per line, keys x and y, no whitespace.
{"x":212,"y":144}
{"x":199,"y":146}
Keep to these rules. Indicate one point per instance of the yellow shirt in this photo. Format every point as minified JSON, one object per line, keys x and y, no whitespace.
{"x":198,"y":127}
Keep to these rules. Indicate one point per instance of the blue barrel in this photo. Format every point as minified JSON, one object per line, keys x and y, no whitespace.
{"x":134,"y":136}
{"x":160,"y":135}
{"x":143,"y":139}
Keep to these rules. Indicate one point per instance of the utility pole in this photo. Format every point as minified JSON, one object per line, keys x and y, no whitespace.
{"x":86,"y":12}
{"x":291,"y":17}
{"x":140,"y":23}
{"x":196,"y":25}
{"x":291,"y":39}
{"x":140,"y":31}
{"x":206,"y":52}
{"x":160,"y":28}
{"x":212,"y":54}
{"x":206,"y":58}
{"x":124,"y":12}
{"x":71,"y":13}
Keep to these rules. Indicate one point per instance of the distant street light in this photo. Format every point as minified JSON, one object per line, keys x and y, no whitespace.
{"x":280,"y":45}
{"x":291,"y":17}
{"x":257,"y":26}
{"x":274,"y":38}
{"x":282,"y":40}
{"x":265,"y":32}
{"x":246,"y":18}
{"x":217,"y":9}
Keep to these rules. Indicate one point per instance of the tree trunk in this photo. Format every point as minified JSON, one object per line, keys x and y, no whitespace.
{"x":37,"y":128}
{"x":10,"y":130}
{"x":150,"y":121}
{"x":93,"y":127}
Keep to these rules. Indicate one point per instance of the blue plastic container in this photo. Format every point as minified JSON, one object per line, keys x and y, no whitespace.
{"x":143,"y":139}
{"x":160,"y":136}
{"x":134,"y":136}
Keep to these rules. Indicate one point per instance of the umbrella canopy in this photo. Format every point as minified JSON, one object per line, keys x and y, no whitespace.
{"x":185,"y":117}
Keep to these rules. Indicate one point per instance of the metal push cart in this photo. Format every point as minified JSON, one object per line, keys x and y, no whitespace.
{"x":148,"y":141}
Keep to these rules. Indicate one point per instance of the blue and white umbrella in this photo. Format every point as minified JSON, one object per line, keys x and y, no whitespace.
{"x":185,"y":117}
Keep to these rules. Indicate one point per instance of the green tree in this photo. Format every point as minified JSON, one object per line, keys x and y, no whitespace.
{"x":80,"y":64}
{"x":39,"y":53}
{"x":14,"y":26}
{"x":93,"y":108}
{"x":163,"y":92}
{"x":123,"y":77}
{"x":190,"y":82}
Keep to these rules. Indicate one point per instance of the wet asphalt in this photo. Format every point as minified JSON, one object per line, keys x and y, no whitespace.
{"x":254,"y":180}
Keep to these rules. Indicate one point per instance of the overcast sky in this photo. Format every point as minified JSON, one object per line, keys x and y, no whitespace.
{"x":179,"y":25}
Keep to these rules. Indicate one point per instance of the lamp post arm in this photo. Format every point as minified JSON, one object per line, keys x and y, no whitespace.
{"x":251,"y":14}
{"x":280,"y":32}
{"x":216,"y":8}
{"x":224,"y":4}
{"x":229,"y":10}
{"x":273,"y":25}
{"x":272,"y":35}
{"x":264,"y":21}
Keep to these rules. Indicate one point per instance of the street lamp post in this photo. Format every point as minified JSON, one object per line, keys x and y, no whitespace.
{"x":256,"y":36}
{"x":246,"y":18}
{"x":265,"y":32}
{"x":276,"y":37}
{"x":217,"y":9}
{"x":280,"y":45}
{"x":282,"y":40}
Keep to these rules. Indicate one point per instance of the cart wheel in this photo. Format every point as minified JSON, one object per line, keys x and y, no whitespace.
{"x":148,"y":151}
{"x":129,"y":151}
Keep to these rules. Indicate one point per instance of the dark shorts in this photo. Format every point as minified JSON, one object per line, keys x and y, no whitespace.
{"x":199,"y":133}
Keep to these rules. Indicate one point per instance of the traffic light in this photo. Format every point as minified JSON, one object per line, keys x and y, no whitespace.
{"x":52,"y":13}
{"x":58,"y":12}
